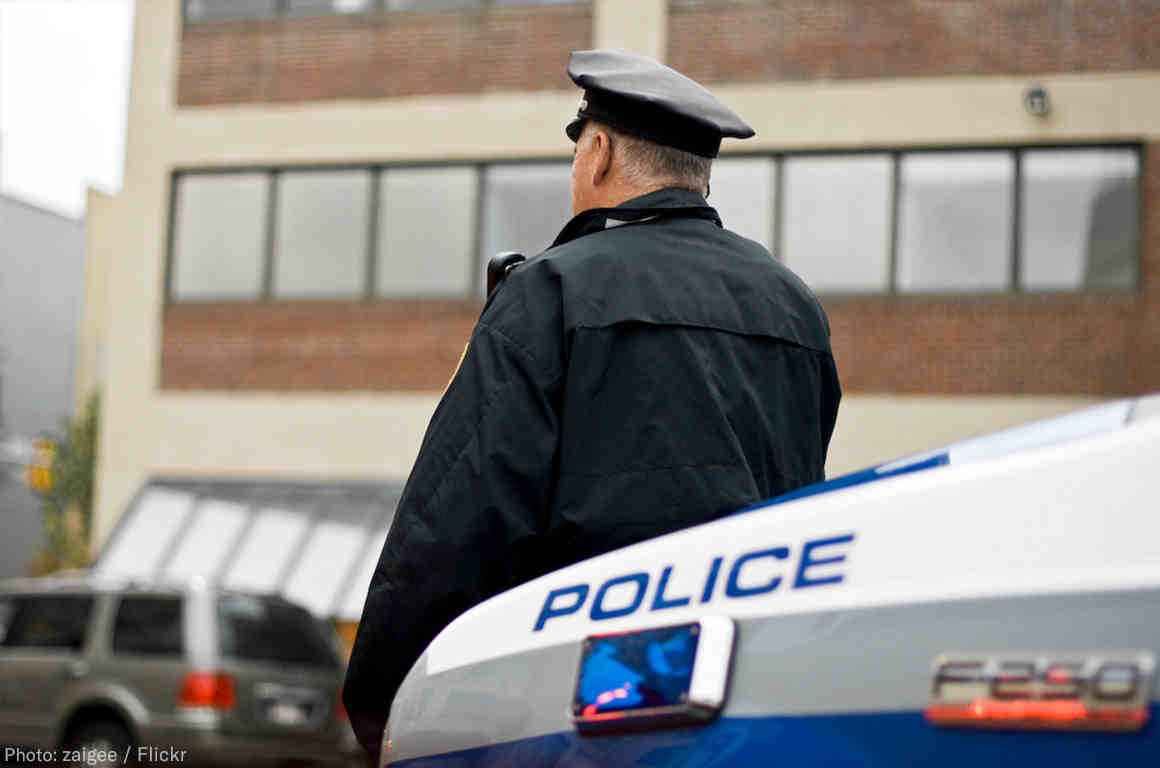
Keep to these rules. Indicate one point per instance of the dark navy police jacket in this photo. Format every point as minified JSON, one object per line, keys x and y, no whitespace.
{"x":649,"y":371}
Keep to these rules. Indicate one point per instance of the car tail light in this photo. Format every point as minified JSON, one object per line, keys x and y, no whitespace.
{"x":1029,"y":715}
{"x":208,"y":689}
{"x":340,"y":708}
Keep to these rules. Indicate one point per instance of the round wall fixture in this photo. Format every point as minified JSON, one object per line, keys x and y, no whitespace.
{"x":1036,"y":101}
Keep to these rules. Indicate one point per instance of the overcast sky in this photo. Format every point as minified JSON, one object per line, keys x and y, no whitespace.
{"x":64,"y":81}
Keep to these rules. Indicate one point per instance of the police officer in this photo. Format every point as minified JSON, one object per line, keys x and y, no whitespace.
{"x":649,"y":371}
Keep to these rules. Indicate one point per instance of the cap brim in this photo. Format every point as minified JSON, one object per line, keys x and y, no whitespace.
{"x":572,"y":130}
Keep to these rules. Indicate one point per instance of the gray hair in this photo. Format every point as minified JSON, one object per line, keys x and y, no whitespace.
{"x":646,"y":162}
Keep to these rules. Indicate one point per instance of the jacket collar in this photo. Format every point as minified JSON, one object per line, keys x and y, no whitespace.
{"x":669,"y":202}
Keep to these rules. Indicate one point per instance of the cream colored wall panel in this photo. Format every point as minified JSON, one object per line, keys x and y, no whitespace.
{"x":853,"y":114}
{"x":322,"y":436}
{"x":872,"y":429}
{"x":639,"y":26}
{"x":116,"y":489}
{"x":497,"y":125}
{"x":946,"y":110}
{"x":99,"y":223}
{"x":133,"y":231}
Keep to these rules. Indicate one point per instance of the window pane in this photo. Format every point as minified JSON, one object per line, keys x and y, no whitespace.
{"x":8,"y":609}
{"x":309,"y":7}
{"x":324,"y":564}
{"x":268,"y":547}
{"x":432,"y":5}
{"x":321,"y":244}
{"x":955,"y":222}
{"x":259,"y":629}
{"x":149,"y":626}
{"x":742,"y":191}
{"x":1081,"y":219}
{"x":207,"y":541}
{"x":426,"y":232}
{"x":352,"y":603}
{"x":525,"y":207}
{"x":210,"y":10}
{"x":50,"y":622}
{"x":220,"y":236}
{"x":146,"y":534}
{"x":837,"y":221}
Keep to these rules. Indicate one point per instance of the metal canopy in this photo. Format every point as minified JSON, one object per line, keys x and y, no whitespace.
{"x":315,"y":544}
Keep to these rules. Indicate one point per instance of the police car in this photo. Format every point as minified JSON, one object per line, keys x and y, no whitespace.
{"x":993,"y":603}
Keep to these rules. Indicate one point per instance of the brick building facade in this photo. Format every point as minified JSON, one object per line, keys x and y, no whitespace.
{"x":1092,"y":344}
{"x":292,"y":270}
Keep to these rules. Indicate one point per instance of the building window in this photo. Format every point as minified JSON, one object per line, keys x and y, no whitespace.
{"x":198,"y":11}
{"x":1080,"y":225}
{"x":743,"y":190}
{"x":273,"y":540}
{"x":219,"y":236}
{"x":207,"y":541}
{"x":138,"y":552}
{"x":426,"y":231}
{"x":524,"y":207}
{"x":837,"y":221}
{"x":320,"y":245}
{"x":313,"y":7}
{"x":918,"y":222}
{"x":325,"y":563}
{"x":955,"y":222}
{"x":221,"y":10}
{"x":431,"y":5}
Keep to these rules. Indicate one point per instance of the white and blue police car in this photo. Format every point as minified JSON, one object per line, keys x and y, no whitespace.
{"x":993,"y":603}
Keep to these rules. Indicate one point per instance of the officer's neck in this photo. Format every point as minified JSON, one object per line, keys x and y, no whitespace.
{"x":620,"y":192}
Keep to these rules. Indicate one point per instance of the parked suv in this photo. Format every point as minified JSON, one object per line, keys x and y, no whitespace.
{"x":91,"y":671}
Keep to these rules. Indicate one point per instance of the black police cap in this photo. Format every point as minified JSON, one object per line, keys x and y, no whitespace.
{"x":644,"y":98}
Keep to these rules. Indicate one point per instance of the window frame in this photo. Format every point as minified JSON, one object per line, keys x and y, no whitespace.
{"x":272,"y":602}
{"x":380,"y":500}
{"x":780,"y":216}
{"x":182,"y":621}
{"x":21,"y":601}
{"x":1013,"y":287}
{"x":1015,"y":222}
{"x":368,"y":292}
{"x":275,"y":180}
{"x":282,"y":11}
{"x":1139,"y":150}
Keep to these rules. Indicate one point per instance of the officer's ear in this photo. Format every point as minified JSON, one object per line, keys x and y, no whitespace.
{"x":601,"y":149}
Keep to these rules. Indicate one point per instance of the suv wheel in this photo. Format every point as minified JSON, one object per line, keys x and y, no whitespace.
{"x":97,"y":744}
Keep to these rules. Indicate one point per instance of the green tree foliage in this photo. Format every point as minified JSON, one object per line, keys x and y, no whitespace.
{"x":68,"y":503}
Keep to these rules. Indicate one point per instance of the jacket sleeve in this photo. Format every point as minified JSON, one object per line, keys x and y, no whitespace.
{"x":468,"y":520}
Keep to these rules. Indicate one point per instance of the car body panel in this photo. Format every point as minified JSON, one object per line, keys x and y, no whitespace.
{"x":42,"y":689}
{"x":843,"y":600}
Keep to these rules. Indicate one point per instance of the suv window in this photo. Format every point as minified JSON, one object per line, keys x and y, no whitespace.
{"x":49,"y":622}
{"x":7,"y":608}
{"x":149,"y":626}
{"x":261,"y":629}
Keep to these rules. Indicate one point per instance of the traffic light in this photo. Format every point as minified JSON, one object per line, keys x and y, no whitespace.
{"x":38,"y":476}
